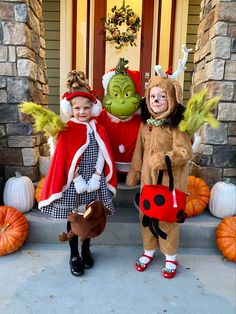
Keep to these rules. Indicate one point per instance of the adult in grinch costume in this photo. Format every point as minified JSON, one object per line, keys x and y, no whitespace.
{"x":121,"y":116}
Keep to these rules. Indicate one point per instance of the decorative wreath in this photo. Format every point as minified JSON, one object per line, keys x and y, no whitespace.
{"x":112,"y":25}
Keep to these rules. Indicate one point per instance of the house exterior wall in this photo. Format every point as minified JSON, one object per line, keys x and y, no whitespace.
{"x":194,"y":9}
{"x":215,"y":68}
{"x":23,"y":77}
{"x":51,"y":19}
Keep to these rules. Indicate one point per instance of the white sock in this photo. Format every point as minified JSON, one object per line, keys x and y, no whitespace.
{"x":145,"y":260}
{"x":170,"y":265}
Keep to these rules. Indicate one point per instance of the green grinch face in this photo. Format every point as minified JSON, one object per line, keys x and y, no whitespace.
{"x":121,"y":99}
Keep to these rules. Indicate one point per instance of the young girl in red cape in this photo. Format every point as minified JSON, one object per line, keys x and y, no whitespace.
{"x":82,"y":167}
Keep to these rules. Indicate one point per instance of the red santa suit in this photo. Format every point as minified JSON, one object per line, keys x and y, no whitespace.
{"x":72,"y":143}
{"x":123,"y":135}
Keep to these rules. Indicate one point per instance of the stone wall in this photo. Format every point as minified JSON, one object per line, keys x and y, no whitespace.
{"x":22,"y":78}
{"x":215,"y":68}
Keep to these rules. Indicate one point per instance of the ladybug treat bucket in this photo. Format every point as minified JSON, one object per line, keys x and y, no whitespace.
{"x":162,"y":202}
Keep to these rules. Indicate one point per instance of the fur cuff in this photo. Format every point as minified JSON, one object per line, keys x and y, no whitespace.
{"x":157,"y":161}
{"x":80,"y":184}
{"x":132,"y":178}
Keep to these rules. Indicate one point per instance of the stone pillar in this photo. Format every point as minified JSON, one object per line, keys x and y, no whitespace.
{"x":22,"y":78}
{"x":215,"y":68}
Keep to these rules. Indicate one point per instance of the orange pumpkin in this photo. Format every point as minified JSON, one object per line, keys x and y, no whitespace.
{"x":13,"y":229}
{"x":198,"y":196}
{"x":39,"y":189}
{"x":226,"y":237}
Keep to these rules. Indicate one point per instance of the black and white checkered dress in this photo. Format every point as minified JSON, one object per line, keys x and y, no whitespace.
{"x":71,"y":200}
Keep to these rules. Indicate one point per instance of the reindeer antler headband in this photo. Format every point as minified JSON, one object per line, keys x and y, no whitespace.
{"x":181,"y":66}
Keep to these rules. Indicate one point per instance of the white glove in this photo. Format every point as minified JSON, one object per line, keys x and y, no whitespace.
{"x":94,"y":182}
{"x":80,"y":184}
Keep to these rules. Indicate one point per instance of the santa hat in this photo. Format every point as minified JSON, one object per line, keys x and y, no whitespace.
{"x":66,"y":105}
{"x":135,"y":76}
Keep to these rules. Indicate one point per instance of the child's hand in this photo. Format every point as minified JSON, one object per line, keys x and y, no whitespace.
{"x":157,"y":161}
{"x":132,"y":177}
{"x":80,"y":185}
{"x":94,"y":182}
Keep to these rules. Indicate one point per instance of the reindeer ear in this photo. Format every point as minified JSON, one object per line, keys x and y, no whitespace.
{"x":178,"y":92}
{"x":88,"y":212}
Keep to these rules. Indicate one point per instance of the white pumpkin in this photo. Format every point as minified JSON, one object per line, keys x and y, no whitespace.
{"x":19,"y":193}
{"x":223,"y":200}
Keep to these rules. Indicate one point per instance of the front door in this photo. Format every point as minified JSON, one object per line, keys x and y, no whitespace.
{"x":153,"y":45}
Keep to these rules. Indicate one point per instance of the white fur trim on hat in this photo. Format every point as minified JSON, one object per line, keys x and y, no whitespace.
{"x":66,"y":107}
{"x":96,"y":108}
{"x":106,"y":78}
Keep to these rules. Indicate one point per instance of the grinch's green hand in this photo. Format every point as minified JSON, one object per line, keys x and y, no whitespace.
{"x":198,"y":112}
{"x":45,"y":119}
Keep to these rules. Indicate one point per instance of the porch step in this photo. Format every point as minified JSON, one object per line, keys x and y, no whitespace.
{"x":123,"y":229}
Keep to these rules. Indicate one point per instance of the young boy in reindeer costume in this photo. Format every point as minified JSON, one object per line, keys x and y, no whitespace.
{"x":159,"y":135}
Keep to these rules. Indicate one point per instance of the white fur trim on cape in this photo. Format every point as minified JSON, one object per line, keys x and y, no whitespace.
{"x":100,"y":162}
{"x":66,"y":107}
{"x":52,"y":143}
{"x":106,"y":78}
{"x":106,"y":156}
{"x":52,"y":198}
{"x":121,"y":148}
{"x":79,"y":152}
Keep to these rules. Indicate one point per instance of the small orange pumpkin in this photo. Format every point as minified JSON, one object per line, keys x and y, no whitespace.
{"x":198,"y":196}
{"x":226,"y":237}
{"x":39,"y":189}
{"x":13,"y":229}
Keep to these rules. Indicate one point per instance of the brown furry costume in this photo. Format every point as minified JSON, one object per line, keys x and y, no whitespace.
{"x":153,"y":143}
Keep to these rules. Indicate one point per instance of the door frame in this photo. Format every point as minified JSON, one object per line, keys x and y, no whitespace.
{"x":96,"y":64}
{"x":146,"y":42}
{"x":100,"y":44}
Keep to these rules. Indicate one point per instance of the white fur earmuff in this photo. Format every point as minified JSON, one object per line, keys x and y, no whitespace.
{"x":66,"y":107}
{"x":96,"y":108}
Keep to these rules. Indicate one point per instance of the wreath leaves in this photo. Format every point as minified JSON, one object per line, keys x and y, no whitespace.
{"x":119,"y":17}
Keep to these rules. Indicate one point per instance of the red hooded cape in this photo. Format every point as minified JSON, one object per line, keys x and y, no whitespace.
{"x":72,"y":142}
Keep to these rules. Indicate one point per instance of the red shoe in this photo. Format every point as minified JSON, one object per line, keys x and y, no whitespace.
{"x":142,"y":266}
{"x":170,"y":273}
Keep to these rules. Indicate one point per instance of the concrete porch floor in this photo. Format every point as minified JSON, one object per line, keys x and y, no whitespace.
{"x":36,"y":280}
